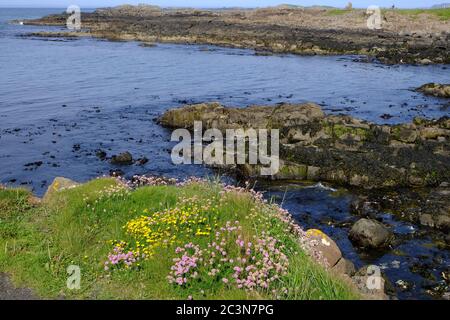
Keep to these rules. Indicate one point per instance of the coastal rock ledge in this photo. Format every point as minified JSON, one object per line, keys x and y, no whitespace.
{"x":335,"y":148}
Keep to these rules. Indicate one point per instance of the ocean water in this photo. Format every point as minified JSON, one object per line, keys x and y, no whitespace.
{"x":62,"y":100}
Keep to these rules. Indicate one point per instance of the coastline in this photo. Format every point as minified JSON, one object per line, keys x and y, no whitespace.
{"x":289,"y":31}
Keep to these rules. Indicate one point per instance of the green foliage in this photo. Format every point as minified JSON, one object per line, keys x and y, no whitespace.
{"x":76,"y":227}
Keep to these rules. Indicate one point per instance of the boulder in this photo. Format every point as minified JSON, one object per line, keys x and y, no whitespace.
{"x":325,"y":245}
{"x":369,"y":233}
{"x":124,"y":158}
{"x":57,"y":185}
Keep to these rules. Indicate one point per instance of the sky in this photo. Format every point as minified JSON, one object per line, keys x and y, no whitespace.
{"x":217,"y":3}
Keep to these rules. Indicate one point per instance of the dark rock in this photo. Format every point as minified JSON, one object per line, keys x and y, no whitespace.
{"x":124,"y":158}
{"x":370,"y":234}
{"x":142,"y":161}
{"x":101,"y":154}
{"x":364,"y":208}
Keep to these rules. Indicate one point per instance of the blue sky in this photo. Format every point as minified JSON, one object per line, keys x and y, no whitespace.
{"x":216,"y":3}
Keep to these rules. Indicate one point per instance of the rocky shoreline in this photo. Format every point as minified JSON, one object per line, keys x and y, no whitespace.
{"x":272,"y":30}
{"x":336,"y":148}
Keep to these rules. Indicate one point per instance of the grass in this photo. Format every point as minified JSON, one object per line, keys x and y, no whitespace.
{"x":77,"y":226}
{"x":337,"y":12}
{"x":443,"y":14}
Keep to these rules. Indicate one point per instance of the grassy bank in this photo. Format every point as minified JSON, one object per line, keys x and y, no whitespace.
{"x":196,"y":240}
{"x":443,"y":14}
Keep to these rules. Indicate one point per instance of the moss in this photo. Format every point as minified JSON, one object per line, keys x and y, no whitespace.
{"x":298,"y":171}
{"x":339,"y":130}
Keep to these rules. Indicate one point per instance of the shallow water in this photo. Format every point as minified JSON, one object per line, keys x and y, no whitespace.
{"x":61,"y":100}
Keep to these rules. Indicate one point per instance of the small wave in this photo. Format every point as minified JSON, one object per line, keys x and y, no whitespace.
{"x":322,"y":187}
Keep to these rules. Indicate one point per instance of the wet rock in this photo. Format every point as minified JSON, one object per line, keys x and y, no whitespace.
{"x":33,"y":165}
{"x":334,"y":148}
{"x":404,"y":285}
{"x":101,"y":154}
{"x":364,"y":208}
{"x":326,"y":246}
{"x":142,"y":161}
{"x":57,"y":185}
{"x":370,"y":234}
{"x":124,"y":158}
{"x":435,"y":89}
{"x":147,"y":44}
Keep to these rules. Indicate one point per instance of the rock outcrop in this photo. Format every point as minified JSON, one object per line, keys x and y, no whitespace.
{"x":339,"y":149}
{"x":435,"y":89}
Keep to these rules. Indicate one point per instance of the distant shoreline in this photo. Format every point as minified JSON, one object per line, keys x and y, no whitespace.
{"x":403,"y":38}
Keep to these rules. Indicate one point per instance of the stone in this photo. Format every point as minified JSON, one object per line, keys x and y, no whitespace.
{"x":124,"y":158}
{"x":433,"y":133}
{"x":59,"y":184}
{"x":364,"y":208}
{"x":435,"y":89}
{"x":344,"y":266}
{"x":426,"y":220}
{"x":425,"y":61}
{"x":369,"y":233}
{"x":443,"y":222}
{"x":326,"y":246}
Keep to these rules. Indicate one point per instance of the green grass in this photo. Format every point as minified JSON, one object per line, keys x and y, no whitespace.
{"x":75,"y":227}
{"x":337,"y":12}
{"x":443,"y":14}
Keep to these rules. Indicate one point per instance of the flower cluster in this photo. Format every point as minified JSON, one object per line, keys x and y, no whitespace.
{"x":169,"y":227}
{"x":119,"y":257}
{"x":143,"y":180}
{"x":185,"y":267}
{"x":232,"y":260}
